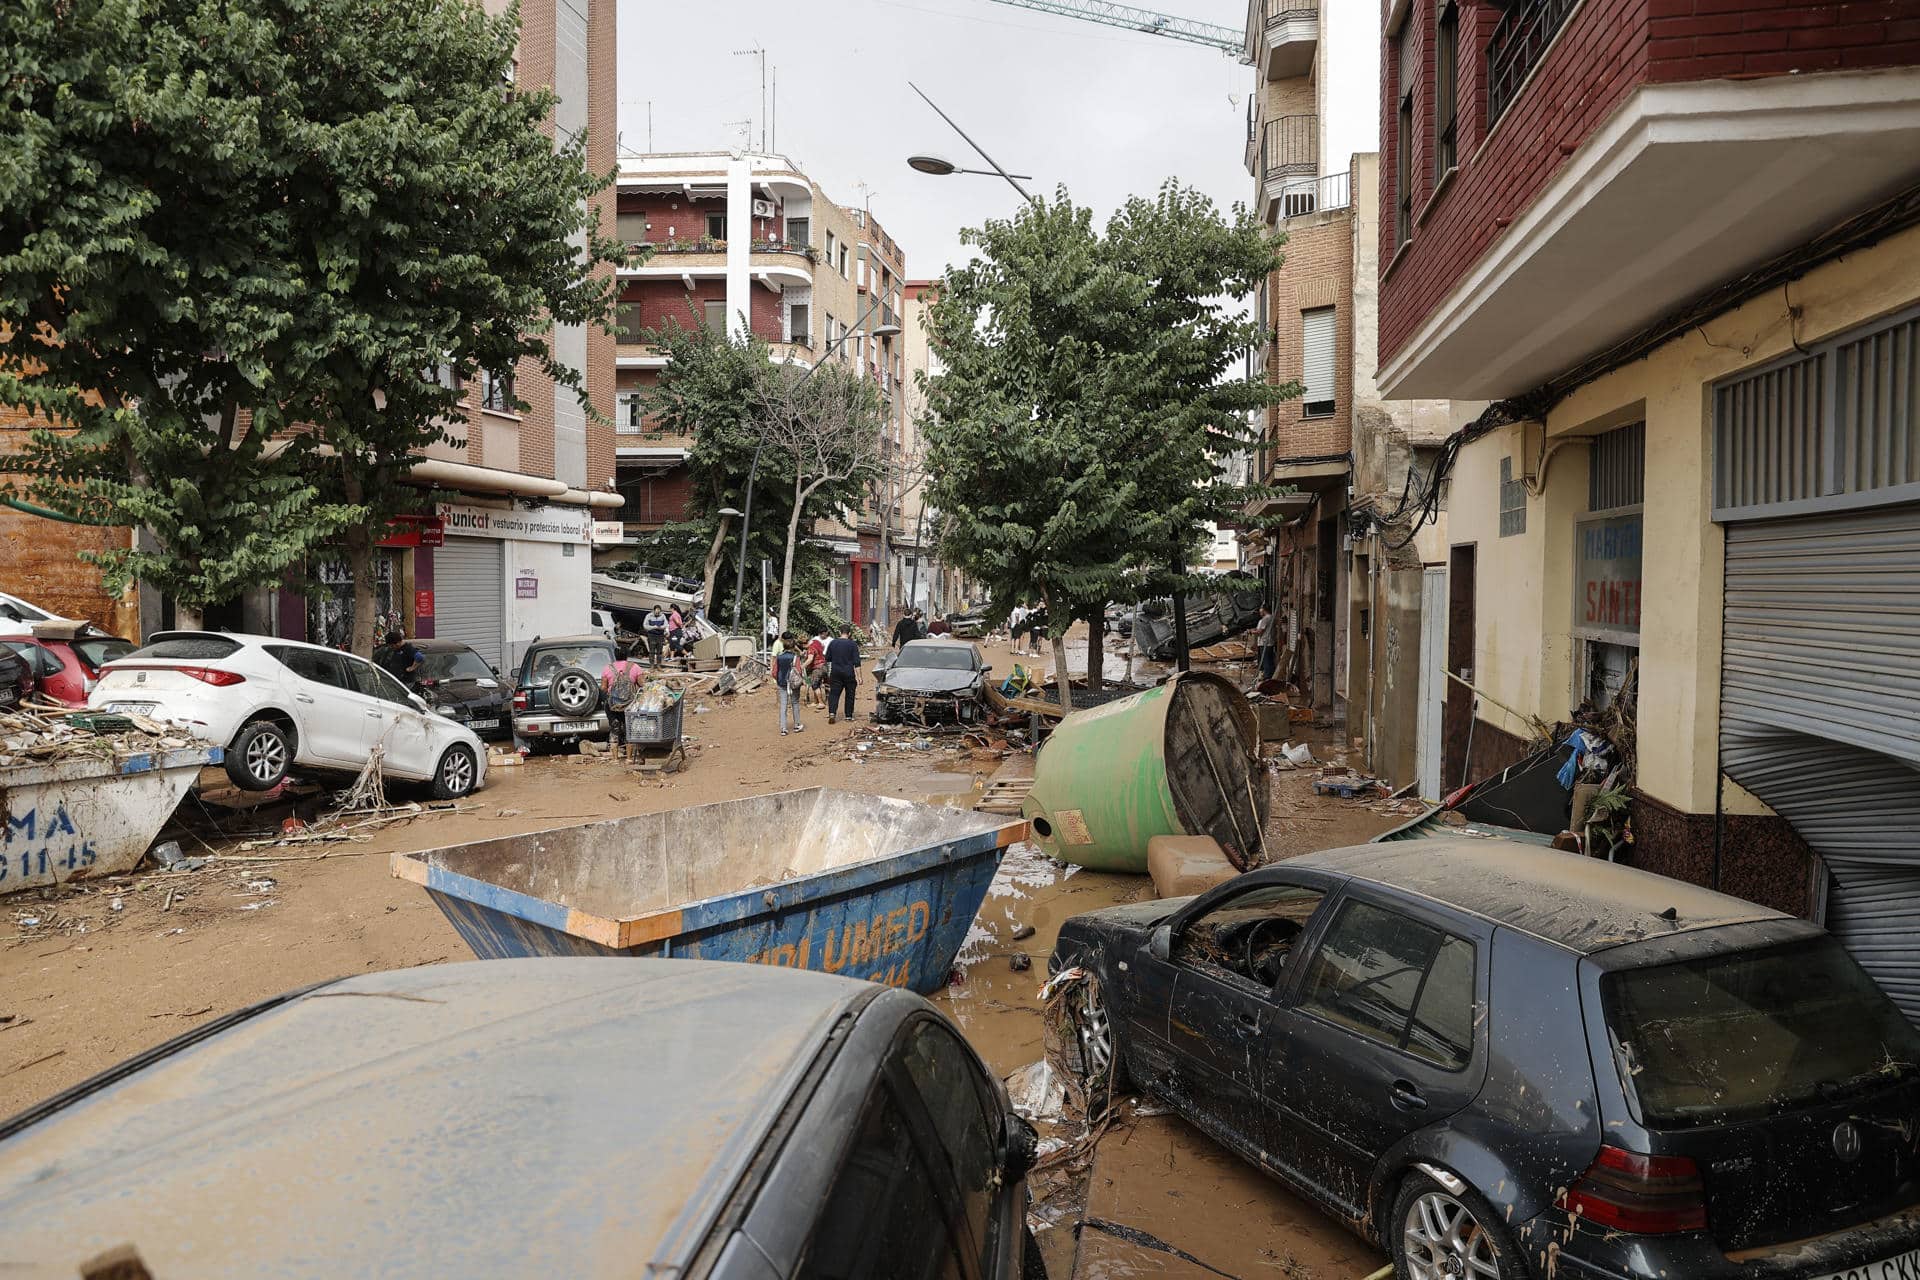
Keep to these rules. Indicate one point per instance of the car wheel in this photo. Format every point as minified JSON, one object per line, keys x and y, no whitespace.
{"x":456,"y":775}
{"x":259,"y":756}
{"x":1440,"y":1234}
{"x":1098,"y":1042}
{"x":573,"y":692}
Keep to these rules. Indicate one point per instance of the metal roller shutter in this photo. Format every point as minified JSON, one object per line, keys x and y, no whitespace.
{"x":1820,"y":712}
{"x":1317,"y":362}
{"x":470,"y":589}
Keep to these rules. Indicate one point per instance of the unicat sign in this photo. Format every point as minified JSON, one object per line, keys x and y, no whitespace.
{"x":540,"y":524}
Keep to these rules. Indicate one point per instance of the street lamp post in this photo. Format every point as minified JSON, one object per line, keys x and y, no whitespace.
{"x":753,"y":470}
{"x":939,"y":166}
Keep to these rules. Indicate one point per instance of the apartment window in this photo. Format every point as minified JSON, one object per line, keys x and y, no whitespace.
{"x":831,"y":244}
{"x":799,"y":325}
{"x":1409,"y":63}
{"x":716,"y":226}
{"x":630,"y":228}
{"x":496,"y":392}
{"x":1316,"y":362}
{"x":715,"y":312}
{"x":629,"y":412}
{"x":1513,"y":501}
{"x":1446,"y":89}
{"x":627,"y":316}
{"x":843,"y":262}
{"x":799,"y":231}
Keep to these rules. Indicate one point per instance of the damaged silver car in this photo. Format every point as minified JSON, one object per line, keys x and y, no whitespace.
{"x":932,"y":682}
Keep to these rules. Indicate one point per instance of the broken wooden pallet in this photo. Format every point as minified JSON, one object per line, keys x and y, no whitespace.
{"x":1004,"y":795}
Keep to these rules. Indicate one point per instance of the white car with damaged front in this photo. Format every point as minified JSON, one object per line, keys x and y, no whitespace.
{"x":280,"y":706}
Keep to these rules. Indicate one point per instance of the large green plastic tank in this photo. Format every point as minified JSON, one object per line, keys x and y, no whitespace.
{"x":1177,"y":759}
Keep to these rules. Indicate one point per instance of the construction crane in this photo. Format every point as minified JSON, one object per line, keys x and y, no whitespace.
{"x":1128,"y":18}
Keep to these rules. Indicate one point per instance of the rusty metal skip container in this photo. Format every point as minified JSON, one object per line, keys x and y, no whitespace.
{"x":1177,"y":759}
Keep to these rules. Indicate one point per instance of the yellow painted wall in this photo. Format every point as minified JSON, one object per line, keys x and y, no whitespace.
{"x":1525,"y":585}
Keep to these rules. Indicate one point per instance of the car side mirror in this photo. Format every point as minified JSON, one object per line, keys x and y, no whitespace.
{"x":986,"y":667}
{"x":1160,"y":943}
{"x":418,"y":703}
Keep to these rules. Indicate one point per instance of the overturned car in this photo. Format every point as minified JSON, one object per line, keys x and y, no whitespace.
{"x":932,"y":682}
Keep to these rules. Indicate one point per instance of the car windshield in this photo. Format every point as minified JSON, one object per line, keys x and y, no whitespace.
{"x":98,"y":651}
{"x":177,"y":647}
{"x":1753,"y":1033}
{"x":936,"y":658}
{"x":549,"y":661}
{"x":455,"y":664}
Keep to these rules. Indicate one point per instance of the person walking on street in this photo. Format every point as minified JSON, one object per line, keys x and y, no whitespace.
{"x":620,"y":684}
{"x":1263,"y":640}
{"x":814,"y":669}
{"x":1017,"y":626}
{"x":788,"y":683}
{"x":654,"y":626}
{"x":843,"y":664}
{"x":939,"y":627}
{"x":906,"y":630}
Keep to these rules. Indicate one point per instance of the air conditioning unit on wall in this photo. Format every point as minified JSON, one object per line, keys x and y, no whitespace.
{"x":763,"y":208}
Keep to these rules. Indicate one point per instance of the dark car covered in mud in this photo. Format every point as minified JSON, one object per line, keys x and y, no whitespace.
{"x":931,"y":682}
{"x":1503,"y":1061}
{"x":456,"y":680}
{"x":551,"y":1117}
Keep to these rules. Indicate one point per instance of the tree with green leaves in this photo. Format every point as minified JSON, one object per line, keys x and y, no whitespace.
{"x":1087,"y":399}
{"x":249,"y":251}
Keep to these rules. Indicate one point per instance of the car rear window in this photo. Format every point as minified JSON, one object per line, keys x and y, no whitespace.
{"x":180,"y":647}
{"x":545,"y":663}
{"x":1754,"y":1032}
{"x":101,"y":650}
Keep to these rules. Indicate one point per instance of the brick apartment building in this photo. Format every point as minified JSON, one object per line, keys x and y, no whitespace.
{"x":808,"y":276}
{"x":1348,"y":599}
{"x":507,"y":555}
{"x":1677,"y":244}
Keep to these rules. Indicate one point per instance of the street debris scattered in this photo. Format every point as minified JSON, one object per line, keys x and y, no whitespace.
{"x":38,"y":732}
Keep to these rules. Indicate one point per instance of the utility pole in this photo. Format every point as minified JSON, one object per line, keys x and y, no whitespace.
{"x":649,"y":126}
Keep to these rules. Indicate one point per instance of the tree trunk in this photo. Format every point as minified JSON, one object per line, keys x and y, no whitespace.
{"x":188,"y":617}
{"x":1058,"y":634}
{"x":359,"y":548}
{"x":713,"y":564}
{"x":883,"y":617}
{"x":793,"y":536}
{"x":360,"y":553}
{"x":1180,"y":660}
{"x":1096,"y":651}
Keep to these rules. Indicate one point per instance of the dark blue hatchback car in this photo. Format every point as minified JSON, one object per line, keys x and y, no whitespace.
{"x":1500,"y":1061}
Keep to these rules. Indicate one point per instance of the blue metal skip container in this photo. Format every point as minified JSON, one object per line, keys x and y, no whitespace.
{"x":860,"y":885}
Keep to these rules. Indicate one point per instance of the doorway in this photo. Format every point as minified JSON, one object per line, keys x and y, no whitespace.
{"x":1457,"y":720}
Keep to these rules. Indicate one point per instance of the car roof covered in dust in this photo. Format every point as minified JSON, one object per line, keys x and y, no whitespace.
{"x":1578,"y":902}
{"x":561,"y":1116}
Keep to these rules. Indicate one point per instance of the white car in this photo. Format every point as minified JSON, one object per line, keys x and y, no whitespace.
{"x":14,"y":609}
{"x":279,"y":705}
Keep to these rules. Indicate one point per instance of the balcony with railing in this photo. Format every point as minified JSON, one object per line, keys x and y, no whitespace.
{"x":1282,"y":36}
{"x":1289,"y":157}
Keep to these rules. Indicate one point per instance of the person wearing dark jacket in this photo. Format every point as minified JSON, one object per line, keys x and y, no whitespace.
{"x":843,"y":663}
{"x":906,"y":630}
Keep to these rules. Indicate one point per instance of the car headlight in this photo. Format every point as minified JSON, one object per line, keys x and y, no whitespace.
{"x":445,"y":711}
{"x":886,"y":688}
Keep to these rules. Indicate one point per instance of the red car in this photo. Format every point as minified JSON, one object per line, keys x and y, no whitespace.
{"x":66,"y":657}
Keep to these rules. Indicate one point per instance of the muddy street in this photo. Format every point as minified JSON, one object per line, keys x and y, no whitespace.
{"x":96,"y":971}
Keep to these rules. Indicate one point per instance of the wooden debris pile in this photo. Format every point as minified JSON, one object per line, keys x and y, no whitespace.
{"x":37,"y":733}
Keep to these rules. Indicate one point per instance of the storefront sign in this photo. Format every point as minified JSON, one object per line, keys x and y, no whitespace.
{"x":526,"y":588}
{"x":608,"y":533}
{"x":541,"y":524}
{"x":415,"y":531}
{"x":423,"y":604}
{"x":1607,"y":578}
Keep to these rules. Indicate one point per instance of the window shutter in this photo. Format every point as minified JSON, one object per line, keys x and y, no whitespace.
{"x":630,"y":228}
{"x":1316,"y":364}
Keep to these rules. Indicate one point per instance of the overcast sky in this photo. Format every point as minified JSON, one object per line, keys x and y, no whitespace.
{"x":1109,"y":113}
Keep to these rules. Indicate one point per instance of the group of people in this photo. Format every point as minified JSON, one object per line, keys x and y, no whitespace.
{"x":913,"y":625}
{"x":667,"y":634}
{"x":818,"y":671}
{"x":1026,"y":627}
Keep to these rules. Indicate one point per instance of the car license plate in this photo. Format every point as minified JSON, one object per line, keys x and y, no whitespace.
{"x":575,"y":726}
{"x":1907,"y":1264}
{"x":484,"y":724}
{"x":131,"y":708}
